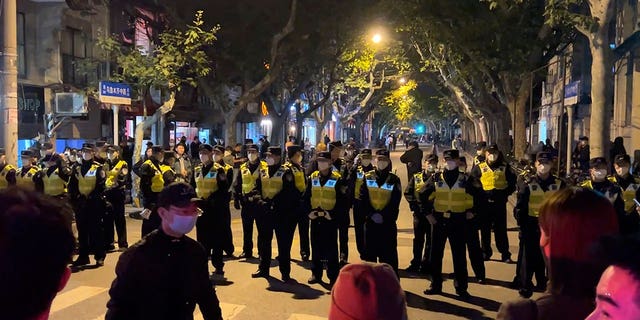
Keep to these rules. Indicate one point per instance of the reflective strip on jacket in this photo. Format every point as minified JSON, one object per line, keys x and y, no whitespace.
{"x":492,"y":179}
{"x":54,"y":185}
{"x":324,"y":196}
{"x":26,"y":181}
{"x":379,"y":195}
{"x":454,"y":199}
{"x":249,"y":179}
{"x":537,"y":196}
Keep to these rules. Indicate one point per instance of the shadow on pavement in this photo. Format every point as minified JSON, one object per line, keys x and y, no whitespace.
{"x":304,"y":264}
{"x":486,"y":304}
{"x":300,"y":291}
{"x":500,"y":283}
{"x":420,"y":302}
{"x":413,"y":275}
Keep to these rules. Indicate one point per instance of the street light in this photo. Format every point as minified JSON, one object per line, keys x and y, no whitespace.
{"x":376,"y":38}
{"x":402,"y":80}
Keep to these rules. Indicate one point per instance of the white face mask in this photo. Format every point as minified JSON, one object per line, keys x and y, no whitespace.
{"x":431,"y":168}
{"x":451,"y":165}
{"x":183,"y":224}
{"x":79,"y":160}
{"x":492,"y":157}
{"x":479,"y":152}
{"x":270,"y":161}
{"x":543,"y":168}
{"x":382,"y":164}
{"x":366,"y":162}
{"x":43,"y":153}
{"x":252,"y":157}
{"x":87,"y":156}
{"x":622,"y":171}
{"x":599,"y":175}
{"x":217,"y":157}
{"x":204,"y":158}
{"x":323,"y":165}
{"x":111,"y":156}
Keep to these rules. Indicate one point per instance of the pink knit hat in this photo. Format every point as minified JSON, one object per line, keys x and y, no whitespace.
{"x":366,"y":291}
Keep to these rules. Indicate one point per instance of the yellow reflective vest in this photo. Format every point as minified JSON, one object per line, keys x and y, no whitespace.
{"x":271,"y":186}
{"x":418,"y":184}
{"x":298,"y":177}
{"x":54,"y":185}
{"x":324,"y":196}
{"x":454,"y":199}
{"x":206,"y":184}
{"x":628,"y":194}
{"x":112,"y":175}
{"x":157,"y":182}
{"x":537,"y":196}
{"x":25,"y":179}
{"x":609,"y":195}
{"x":249,"y":179}
{"x":4,"y":183}
{"x":492,"y":179}
{"x":379,"y":195}
{"x":87,"y":183}
{"x":359,"y":181}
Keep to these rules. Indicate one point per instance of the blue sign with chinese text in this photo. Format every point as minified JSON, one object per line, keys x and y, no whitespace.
{"x":115,"y":93}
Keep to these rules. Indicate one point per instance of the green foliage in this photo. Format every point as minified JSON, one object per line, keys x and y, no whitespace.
{"x":402,"y":102}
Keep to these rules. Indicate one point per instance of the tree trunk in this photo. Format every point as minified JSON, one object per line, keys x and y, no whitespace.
{"x":481,"y":127}
{"x":520,"y":132}
{"x":502,"y":125}
{"x":230,"y":125}
{"x":279,"y":125}
{"x":601,"y":93}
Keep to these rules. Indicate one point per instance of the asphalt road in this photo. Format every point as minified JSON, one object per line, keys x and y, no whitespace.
{"x":242,"y":297}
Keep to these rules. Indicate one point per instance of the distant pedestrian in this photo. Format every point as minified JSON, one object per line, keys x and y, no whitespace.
{"x":194,"y":148}
{"x":616,"y":148}
{"x":413,"y":159}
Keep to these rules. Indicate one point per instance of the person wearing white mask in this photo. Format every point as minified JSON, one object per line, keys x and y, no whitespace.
{"x":630,"y":187}
{"x":598,"y":182}
{"x":116,"y":183}
{"x":380,"y":195}
{"x":421,"y":228}
{"x":220,"y":158}
{"x":247,"y":190}
{"x":179,"y":278}
{"x":498,"y":182}
{"x":532,"y":191}
{"x":361,"y":166}
{"x":480,"y":156}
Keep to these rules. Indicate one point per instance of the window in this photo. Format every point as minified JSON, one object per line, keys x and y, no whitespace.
{"x":22,"y":57}
{"x":74,"y":51}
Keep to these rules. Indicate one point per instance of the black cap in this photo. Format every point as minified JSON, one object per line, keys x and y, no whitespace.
{"x":335,"y":144}
{"x":112,"y":148}
{"x":26,"y":153}
{"x":365,"y":152}
{"x":493,"y":148}
{"x":451,"y":154}
{"x":481,"y":145}
{"x":100,"y":144}
{"x":178,"y":194}
{"x":597,"y":162}
{"x":414,"y":144}
{"x":149,"y":144}
{"x":248,"y":141}
{"x":292,"y":150}
{"x":583,"y":138}
{"x":88,"y":147}
{"x":276,"y":151}
{"x":157,"y":149}
{"x":251,"y":146}
{"x":432,"y":157}
{"x":182,"y":144}
{"x":324,"y":155}
{"x":382,"y":152}
{"x":219,"y":148}
{"x":622,"y":159}
{"x":205,"y":146}
{"x":544,"y":157}
{"x":47,"y":146}
{"x":51,"y":158}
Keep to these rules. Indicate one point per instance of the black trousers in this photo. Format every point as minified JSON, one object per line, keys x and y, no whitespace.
{"x":285,"y":229}
{"x":324,"y":247}
{"x":474,"y":249}
{"x":452,"y":228}
{"x":265,"y":223}
{"x":494,"y":215}
{"x":117,"y":199}
{"x":89,"y":221}
{"x":303,"y":233}
{"x":381,"y":243}
{"x":210,"y":233}
{"x":228,"y":246}
{"x":359,"y":219}
{"x":531,"y":263}
{"x":343,"y":236}
{"x":421,"y":241}
{"x":248,"y":215}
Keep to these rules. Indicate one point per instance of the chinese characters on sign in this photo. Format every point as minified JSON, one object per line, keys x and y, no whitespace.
{"x":115,"y":93}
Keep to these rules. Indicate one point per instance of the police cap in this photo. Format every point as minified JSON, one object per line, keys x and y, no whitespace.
{"x":112,"y":148}
{"x":584,"y":138}
{"x":598,"y":162}
{"x":324,"y":155}
{"x":451,"y":154}
{"x":275,"y":151}
{"x":493,"y":148}
{"x":169,"y":154}
{"x":252,"y":146}
{"x":544,"y":157}
{"x":157,"y":149}
{"x":205,"y":146}
{"x":622,"y":159}
{"x":432,"y":158}
{"x":100,"y":144}
{"x":26,"y":154}
{"x":382,"y":152}
{"x":335,"y":144}
{"x":87,"y":147}
{"x":292,"y":150}
{"x":365,"y":152}
{"x":481,"y":145}
{"x":218,"y":148}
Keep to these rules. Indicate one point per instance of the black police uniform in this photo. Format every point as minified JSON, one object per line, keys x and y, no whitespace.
{"x":630,"y":187}
{"x":381,"y":237}
{"x":608,"y":190}
{"x":250,"y":199}
{"x":356,"y":180}
{"x":8,"y":174}
{"x":116,"y":183}
{"x":150,"y":170}
{"x":339,"y":165}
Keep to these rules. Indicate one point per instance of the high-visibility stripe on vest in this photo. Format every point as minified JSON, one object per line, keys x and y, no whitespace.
{"x":537,"y":196}
{"x":271,"y":186}
{"x":157,"y":181}
{"x":206,"y":184}
{"x":112,"y":175}
{"x":4,"y":183}
{"x":628,"y":194}
{"x":298,"y":177}
{"x":249,"y":179}
{"x":379,"y":195}
{"x":454,"y":199}
{"x":324,"y":196}
{"x":359,"y":181}
{"x":26,"y":181}
{"x":54,"y":185}
{"x":492,"y":179}
{"x":418,"y":183}
{"x":87,"y":183}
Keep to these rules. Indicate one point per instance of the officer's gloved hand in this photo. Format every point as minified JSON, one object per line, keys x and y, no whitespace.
{"x":236,"y":204}
{"x":313,"y":215}
{"x":470,"y":215}
{"x":327,"y":215}
{"x":432,"y":219}
{"x":377,"y":218}
{"x":413,"y":206}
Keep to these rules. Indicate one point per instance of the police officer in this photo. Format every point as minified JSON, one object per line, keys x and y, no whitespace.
{"x":52,"y":180}
{"x":362,"y":165}
{"x":247,"y":190}
{"x":87,"y":186}
{"x":154,"y":176}
{"x":220,"y":159}
{"x":26,"y":174}
{"x":336,"y":149}
{"x":380,"y":195}
{"x":480,"y":153}
{"x":7,"y":172}
{"x":421,"y":227}
{"x":598,"y":182}
{"x":498,"y":182}
{"x":630,"y":187}
{"x":212,"y":181}
{"x":45,"y":150}
{"x":451,"y":193}
{"x":325,"y":200}
{"x":286,"y":224}
{"x":295,"y":164}
{"x":117,"y":172}
{"x":533,"y":190}
{"x":101,"y":154}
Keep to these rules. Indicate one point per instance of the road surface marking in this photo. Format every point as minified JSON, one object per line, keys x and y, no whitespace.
{"x":75,"y":296}
{"x":229,"y":311}
{"x":299,"y":316}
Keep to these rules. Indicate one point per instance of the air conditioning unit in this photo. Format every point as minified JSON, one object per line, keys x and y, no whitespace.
{"x":71,"y":104}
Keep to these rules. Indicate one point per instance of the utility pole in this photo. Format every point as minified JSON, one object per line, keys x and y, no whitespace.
{"x":9,"y":82}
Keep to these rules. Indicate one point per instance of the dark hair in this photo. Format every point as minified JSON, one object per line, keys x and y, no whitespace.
{"x":621,"y":251}
{"x":36,"y":245}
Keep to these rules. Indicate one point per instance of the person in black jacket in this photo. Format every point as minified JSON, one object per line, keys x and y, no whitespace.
{"x":413,"y":159}
{"x":165,"y":275}
{"x":154,"y":175}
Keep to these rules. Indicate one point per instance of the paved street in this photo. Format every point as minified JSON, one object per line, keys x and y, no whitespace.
{"x":242,"y":298}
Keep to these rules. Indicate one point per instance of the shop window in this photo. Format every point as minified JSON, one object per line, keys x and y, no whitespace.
{"x":74,"y":51}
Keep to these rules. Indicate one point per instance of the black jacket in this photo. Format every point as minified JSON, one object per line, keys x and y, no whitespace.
{"x":413,"y":159}
{"x":162,"y":277}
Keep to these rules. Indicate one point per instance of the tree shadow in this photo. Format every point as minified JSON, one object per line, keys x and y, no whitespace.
{"x":420,"y":302}
{"x":300,"y":291}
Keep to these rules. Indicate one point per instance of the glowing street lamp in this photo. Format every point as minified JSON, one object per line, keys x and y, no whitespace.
{"x":376,"y":38}
{"x":402,"y":80}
